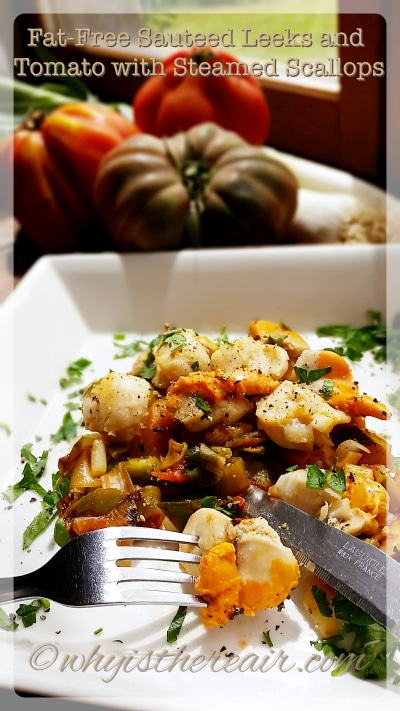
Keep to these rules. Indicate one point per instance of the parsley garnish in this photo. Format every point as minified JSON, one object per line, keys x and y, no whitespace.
{"x":176,"y":624}
{"x":327,"y":388}
{"x":195,"y":366}
{"x":174,"y":337}
{"x":277,"y":337}
{"x":7,"y":622}
{"x":127,"y":350}
{"x":211,"y":502}
{"x":357,"y":341}
{"x":267,"y":639}
{"x":223,"y":337}
{"x":322,"y":602}
{"x":48,"y":513}
{"x":74,"y":372}
{"x":317,"y":478}
{"x":369,"y":639}
{"x":31,"y":473}
{"x":309,"y":376}
{"x":203,"y":405}
{"x":27,"y":612}
{"x":68,"y":428}
{"x":6,"y":428}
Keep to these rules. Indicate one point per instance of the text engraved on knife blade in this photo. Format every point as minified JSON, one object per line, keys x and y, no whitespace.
{"x":362,"y":560}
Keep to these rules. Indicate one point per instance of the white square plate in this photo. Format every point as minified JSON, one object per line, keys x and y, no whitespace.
{"x":68,"y":307}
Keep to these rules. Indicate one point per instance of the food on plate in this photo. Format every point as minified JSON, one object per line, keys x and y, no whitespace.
{"x":204,"y":186}
{"x":244,"y":567}
{"x":176,"y":441}
{"x":54,"y":159}
{"x":183,"y":95}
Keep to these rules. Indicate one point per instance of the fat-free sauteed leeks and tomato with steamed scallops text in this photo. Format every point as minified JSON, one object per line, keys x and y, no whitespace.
{"x":175,"y":442}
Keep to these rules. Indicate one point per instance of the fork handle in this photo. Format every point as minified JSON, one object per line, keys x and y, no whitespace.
{"x":19,"y":588}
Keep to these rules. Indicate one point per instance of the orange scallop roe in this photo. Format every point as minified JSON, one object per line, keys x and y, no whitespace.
{"x":368,"y":495}
{"x":257,"y":595}
{"x":218,"y":582}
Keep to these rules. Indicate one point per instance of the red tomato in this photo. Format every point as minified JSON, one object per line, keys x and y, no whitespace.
{"x":166,"y":104}
{"x":55,"y":161}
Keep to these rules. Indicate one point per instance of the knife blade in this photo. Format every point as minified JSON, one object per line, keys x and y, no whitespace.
{"x":363,"y":573}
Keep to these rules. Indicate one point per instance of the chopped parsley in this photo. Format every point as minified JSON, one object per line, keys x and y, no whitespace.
{"x":127,"y":350}
{"x":74,"y":372}
{"x":7,"y":622}
{"x":174,"y":337}
{"x":327,"y":388}
{"x":320,"y":598}
{"x":69,"y":428}
{"x":48,"y":513}
{"x":223,"y":337}
{"x":28,"y":611}
{"x":31,"y":473}
{"x":377,"y":646}
{"x":267,"y":639}
{"x":357,"y":341}
{"x":212,"y":502}
{"x":309,"y":376}
{"x":202,"y":405}
{"x":317,"y":478}
{"x":176,"y":624}
{"x":277,"y":337}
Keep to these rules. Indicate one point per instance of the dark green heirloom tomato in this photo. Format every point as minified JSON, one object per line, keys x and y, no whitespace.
{"x":203,"y":187}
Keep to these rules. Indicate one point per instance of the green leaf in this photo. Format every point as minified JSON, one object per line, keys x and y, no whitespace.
{"x":357,"y":341}
{"x":203,"y":405}
{"x":337,"y":480}
{"x":176,"y":624}
{"x":31,"y":473}
{"x":61,"y":535}
{"x":128,"y":350}
{"x":7,"y":622}
{"x":28,"y":612}
{"x":67,"y":430}
{"x":327,"y":388}
{"x":377,"y":646}
{"x":74,"y":372}
{"x":222,"y":337}
{"x":37,"y":526}
{"x":316,"y":477}
{"x":320,"y":598}
{"x":267,"y":638}
{"x":148,"y":372}
{"x":309,"y":376}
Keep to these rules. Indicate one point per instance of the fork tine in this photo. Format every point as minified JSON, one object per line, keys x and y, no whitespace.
{"x":133,"y":533}
{"x":142,"y":553}
{"x":127,"y":595}
{"x":120,"y":574}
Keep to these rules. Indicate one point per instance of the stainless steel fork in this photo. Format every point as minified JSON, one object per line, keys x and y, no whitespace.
{"x":89,"y":570}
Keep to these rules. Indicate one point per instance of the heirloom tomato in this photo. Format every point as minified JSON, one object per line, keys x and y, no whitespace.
{"x":205,"y":186}
{"x":55,"y":160}
{"x":173,"y":101}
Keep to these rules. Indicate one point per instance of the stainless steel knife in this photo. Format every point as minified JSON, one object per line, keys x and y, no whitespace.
{"x":364,"y":574}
